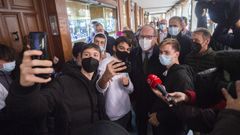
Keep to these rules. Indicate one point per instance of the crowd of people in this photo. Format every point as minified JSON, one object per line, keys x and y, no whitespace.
{"x":105,"y":83}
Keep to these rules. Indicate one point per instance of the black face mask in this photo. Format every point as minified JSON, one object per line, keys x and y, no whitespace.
{"x":122,"y":55}
{"x":196,"y":47}
{"x":90,"y":64}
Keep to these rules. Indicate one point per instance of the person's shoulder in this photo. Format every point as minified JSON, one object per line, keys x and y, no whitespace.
{"x":178,"y":69}
{"x":111,"y":38}
{"x":185,"y":37}
{"x":211,"y":52}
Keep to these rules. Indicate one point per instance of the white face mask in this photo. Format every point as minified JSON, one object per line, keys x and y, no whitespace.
{"x":145,"y":44}
{"x":102,"y":48}
{"x":8,"y":67}
{"x":165,"y":60}
{"x":173,"y":31}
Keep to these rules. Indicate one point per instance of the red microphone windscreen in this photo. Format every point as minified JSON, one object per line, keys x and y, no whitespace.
{"x":153,"y":80}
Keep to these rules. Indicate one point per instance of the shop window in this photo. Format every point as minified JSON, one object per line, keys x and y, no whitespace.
{"x":79,"y":20}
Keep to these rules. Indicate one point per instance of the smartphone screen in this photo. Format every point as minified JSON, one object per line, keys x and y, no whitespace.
{"x":38,"y":41}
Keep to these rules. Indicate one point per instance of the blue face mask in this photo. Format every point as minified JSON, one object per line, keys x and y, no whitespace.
{"x":165,"y":60}
{"x":162,"y":26}
{"x":8,"y":67}
{"x":173,"y":31}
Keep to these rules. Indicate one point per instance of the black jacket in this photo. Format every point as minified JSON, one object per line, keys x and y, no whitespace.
{"x":197,"y":119}
{"x":142,"y":94}
{"x":177,"y":79}
{"x":228,"y":123}
{"x":185,"y":44}
{"x":201,"y":62}
{"x":224,"y":12}
{"x":71,"y":99}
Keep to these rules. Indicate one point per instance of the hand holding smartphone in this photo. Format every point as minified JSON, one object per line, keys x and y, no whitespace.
{"x":127,"y":64}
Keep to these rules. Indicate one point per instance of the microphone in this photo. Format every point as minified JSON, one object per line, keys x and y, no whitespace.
{"x":156,"y":83}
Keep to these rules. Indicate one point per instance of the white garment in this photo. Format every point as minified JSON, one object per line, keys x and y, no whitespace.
{"x":3,"y":96}
{"x":117,"y":96}
{"x":162,"y":36}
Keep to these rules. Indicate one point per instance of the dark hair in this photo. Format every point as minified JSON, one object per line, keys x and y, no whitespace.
{"x":179,"y":19}
{"x":123,"y":39}
{"x":90,"y":46}
{"x":131,"y":36}
{"x":100,"y":35}
{"x":94,"y":22}
{"x":173,"y":42}
{"x":185,"y":19}
{"x":206,"y":33}
{"x":77,"y":48}
{"x":7,"y":53}
{"x":98,"y":24}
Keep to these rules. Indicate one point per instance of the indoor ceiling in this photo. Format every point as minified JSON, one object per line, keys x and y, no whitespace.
{"x":156,"y":6}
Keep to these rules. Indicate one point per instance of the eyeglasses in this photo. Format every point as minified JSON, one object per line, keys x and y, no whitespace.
{"x":147,"y":37}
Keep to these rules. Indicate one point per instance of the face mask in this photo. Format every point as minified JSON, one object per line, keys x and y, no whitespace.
{"x":165,"y":60}
{"x":173,"y":31}
{"x":145,"y":44}
{"x":163,"y":26}
{"x":8,"y":67}
{"x":90,"y":64}
{"x":122,"y":55}
{"x":102,"y":48}
{"x":196,"y":47}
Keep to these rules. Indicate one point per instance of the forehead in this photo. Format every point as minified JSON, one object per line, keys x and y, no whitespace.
{"x":147,"y":30}
{"x":167,"y":47}
{"x":197,"y":35}
{"x":174,"y":22}
{"x":99,"y":39}
{"x":123,"y":44}
{"x":99,"y":27}
{"x":91,"y":50}
{"x":163,"y":21}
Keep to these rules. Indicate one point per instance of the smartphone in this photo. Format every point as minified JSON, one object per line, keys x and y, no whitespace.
{"x":127,"y":64}
{"x":38,"y":41}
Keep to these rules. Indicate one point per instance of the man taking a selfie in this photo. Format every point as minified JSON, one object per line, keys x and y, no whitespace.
{"x":115,"y":84}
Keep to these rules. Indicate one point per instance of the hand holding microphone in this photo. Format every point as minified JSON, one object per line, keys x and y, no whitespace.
{"x":156,"y":84}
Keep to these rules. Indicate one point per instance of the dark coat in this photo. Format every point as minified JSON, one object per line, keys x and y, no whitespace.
{"x":228,"y":123}
{"x":201,"y":62}
{"x":224,"y":12}
{"x":185,"y":44}
{"x":197,"y":119}
{"x":142,"y":91}
{"x":71,"y":99}
{"x":143,"y":98}
{"x":177,"y":79}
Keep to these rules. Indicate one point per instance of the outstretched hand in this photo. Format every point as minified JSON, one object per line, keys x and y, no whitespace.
{"x":231,"y":102}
